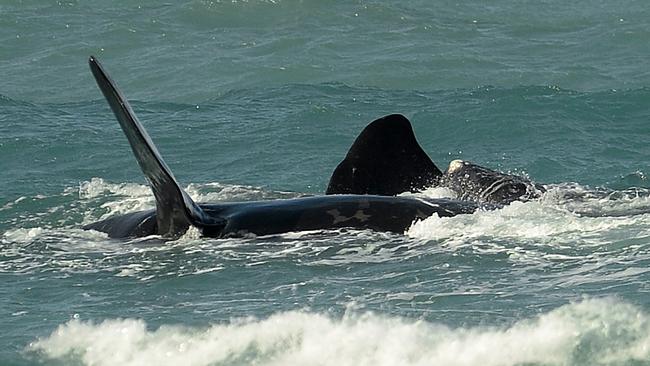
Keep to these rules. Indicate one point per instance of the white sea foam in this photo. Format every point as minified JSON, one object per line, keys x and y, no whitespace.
{"x":11,"y":204}
{"x":602,"y":331}
{"x":536,"y":220}
{"x":433,"y":192}
{"x":21,"y":235}
{"x":131,"y":197}
{"x":97,"y":187}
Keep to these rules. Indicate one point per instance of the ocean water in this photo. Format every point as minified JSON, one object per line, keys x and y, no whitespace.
{"x":260,"y":100}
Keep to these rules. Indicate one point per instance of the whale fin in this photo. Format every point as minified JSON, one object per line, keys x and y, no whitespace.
{"x":386,"y":160}
{"x":175,"y":209}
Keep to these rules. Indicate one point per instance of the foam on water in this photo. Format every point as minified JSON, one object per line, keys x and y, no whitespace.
{"x":433,"y":192}
{"x":553,"y":219}
{"x":548,"y":229}
{"x":97,"y":187}
{"x":591,"y":331}
{"x":121,"y":198}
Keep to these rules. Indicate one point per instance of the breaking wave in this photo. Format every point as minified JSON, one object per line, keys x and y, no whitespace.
{"x":592,"y":331}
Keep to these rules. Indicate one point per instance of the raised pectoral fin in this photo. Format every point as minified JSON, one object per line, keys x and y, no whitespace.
{"x":175,"y":209}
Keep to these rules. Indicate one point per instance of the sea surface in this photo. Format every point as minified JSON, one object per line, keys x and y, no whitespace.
{"x":259,"y":99}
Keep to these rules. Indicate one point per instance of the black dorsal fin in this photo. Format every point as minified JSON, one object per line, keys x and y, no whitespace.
{"x":385,"y":159}
{"x":175,"y":210}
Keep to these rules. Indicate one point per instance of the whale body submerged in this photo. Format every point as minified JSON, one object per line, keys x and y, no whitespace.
{"x":384,"y":160}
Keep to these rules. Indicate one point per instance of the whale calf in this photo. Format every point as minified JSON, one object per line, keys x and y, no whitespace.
{"x":360,"y":193}
{"x":477,"y":183}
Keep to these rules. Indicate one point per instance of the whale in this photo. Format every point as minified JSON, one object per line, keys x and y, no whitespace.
{"x":383,"y":161}
{"x":474,"y":182}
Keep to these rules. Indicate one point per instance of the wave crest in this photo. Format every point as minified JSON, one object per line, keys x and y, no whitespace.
{"x":583,"y":333}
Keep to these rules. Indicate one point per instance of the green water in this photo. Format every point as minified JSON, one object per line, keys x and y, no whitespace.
{"x":261,"y":99}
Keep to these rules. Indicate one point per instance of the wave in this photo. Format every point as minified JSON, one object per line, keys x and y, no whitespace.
{"x":592,"y":331}
{"x":6,"y":101}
